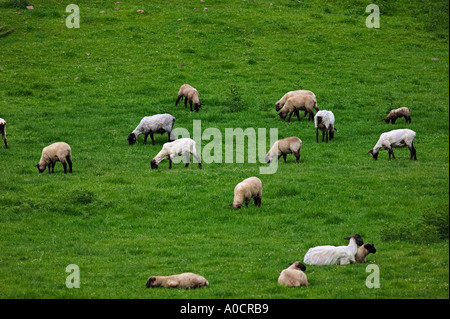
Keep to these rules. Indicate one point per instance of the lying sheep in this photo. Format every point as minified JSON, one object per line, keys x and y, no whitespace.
{"x":294,"y":276}
{"x":187,"y":280}
{"x":283,"y":147}
{"x":305,"y":102}
{"x":182,"y":146}
{"x":334,"y":255}
{"x":395,"y":139}
{"x":324,"y":121}
{"x":190,"y":94}
{"x":53,"y":153}
{"x":159,"y":123}
{"x":363,"y":251}
{"x":289,"y":94}
{"x":400,"y":112}
{"x":3,"y":131}
{"x":246,"y":190}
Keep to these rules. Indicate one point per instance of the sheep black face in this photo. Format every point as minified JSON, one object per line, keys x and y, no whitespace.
{"x":374,"y":154}
{"x":370,"y":248}
{"x":131,"y":138}
{"x":282,"y":116}
{"x":39,"y":169}
{"x":150,"y":282}
{"x":301,"y":266}
{"x":153,"y":164}
{"x":277,"y":106}
{"x":359,"y":241}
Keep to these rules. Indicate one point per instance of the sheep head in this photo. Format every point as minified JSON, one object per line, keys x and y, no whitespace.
{"x":299,"y":265}
{"x":374,"y":154}
{"x":359,"y":241}
{"x":132,"y":139}
{"x":153,"y":164}
{"x":150,"y":282}
{"x":39,"y":168}
{"x":370,"y":248}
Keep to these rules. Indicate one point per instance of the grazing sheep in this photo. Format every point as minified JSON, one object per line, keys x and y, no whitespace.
{"x":400,"y":112}
{"x":289,"y":94}
{"x":283,"y":147}
{"x":324,"y":121}
{"x":363,"y":251}
{"x":246,"y":190}
{"x":395,"y":139}
{"x":159,"y":123}
{"x":294,"y":276}
{"x":53,"y":153}
{"x":305,"y":102}
{"x":334,"y":255}
{"x":3,"y":131}
{"x":190,"y":94}
{"x":182,"y":146}
{"x":187,"y":280}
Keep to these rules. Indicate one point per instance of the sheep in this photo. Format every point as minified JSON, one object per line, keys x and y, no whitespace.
{"x":400,"y":112}
{"x":363,"y":251}
{"x":3,"y":131}
{"x":283,"y":147}
{"x":53,"y":153}
{"x":246,"y":190}
{"x":289,"y":94}
{"x":298,"y":102}
{"x":324,"y":121}
{"x":395,"y":139}
{"x":294,"y":276}
{"x":159,"y":123}
{"x":334,"y":255}
{"x":190,"y":94}
{"x":182,"y":146}
{"x":187,"y":280}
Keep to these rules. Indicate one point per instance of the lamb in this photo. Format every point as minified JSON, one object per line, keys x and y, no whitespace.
{"x":294,"y":276}
{"x":246,"y":190}
{"x":283,"y":147}
{"x":289,"y":94}
{"x":324,"y":120}
{"x":159,"y":123}
{"x":298,"y":102}
{"x":334,"y":255}
{"x":190,"y":94}
{"x":400,"y":112}
{"x":53,"y":153}
{"x":187,"y":280}
{"x":182,"y":146}
{"x":363,"y":251}
{"x":3,"y":131}
{"x":395,"y":139}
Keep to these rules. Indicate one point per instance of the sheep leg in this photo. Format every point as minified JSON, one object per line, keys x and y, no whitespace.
{"x":197,"y":159}
{"x":178,"y":99}
{"x":317,"y":135}
{"x":391,"y":152}
{"x":69,"y":161}
{"x":145,"y":138}
{"x":188,"y":159}
{"x":326,"y":134}
{"x":246,"y":203}
{"x":153,"y":140}
{"x":413,"y":152}
{"x":170,"y":163}
{"x":298,"y":115}
{"x":190,"y":104}
{"x":284,"y":157}
{"x":393,"y":120}
{"x":2,"y":129}
{"x":297,"y":156}
{"x":257,"y":201}
{"x":185,"y":102}
{"x":290,"y":115}
{"x":64,"y":164}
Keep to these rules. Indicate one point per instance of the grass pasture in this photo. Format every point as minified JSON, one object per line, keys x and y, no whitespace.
{"x":121,"y":222}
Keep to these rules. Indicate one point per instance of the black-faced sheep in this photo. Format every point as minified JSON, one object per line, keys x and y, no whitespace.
{"x":395,"y":114}
{"x":324,"y":121}
{"x":159,"y":123}
{"x":395,"y":139}
{"x":180,"y":147}
{"x":280,"y":103}
{"x":186,"y":280}
{"x":294,"y":276}
{"x":283,"y":147}
{"x":56,"y":152}
{"x":190,"y":94}
{"x":363,"y":251}
{"x":299,"y":102}
{"x":3,"y":131}
{"x":334,"y":255}
{"x":250,"y":188}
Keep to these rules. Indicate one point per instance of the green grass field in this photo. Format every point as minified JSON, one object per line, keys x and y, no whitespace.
{"x":121,"y":222}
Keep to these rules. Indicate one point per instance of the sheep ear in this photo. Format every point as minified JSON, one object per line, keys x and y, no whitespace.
{"x":347,"y":238}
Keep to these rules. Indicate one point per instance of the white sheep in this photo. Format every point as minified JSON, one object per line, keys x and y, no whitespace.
{"x":395,"y":139}
{"x":3,"y":131}
{"x":400,"y":112}
{"x":280,"y":103}
{"x":159,"y":123}
{"x":186,"y":280}
{"x":250,"y":188}
{"x":190,"y":94}
{"x":363,"y":251}
{"x":180,"y":147}
{"x":294,"y":276}
{"x":299,"y":102}
{"x":56,"y":152}
{"x":283,"y":147}
{"x":324,"y":121}
{"x":334,"y":255}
